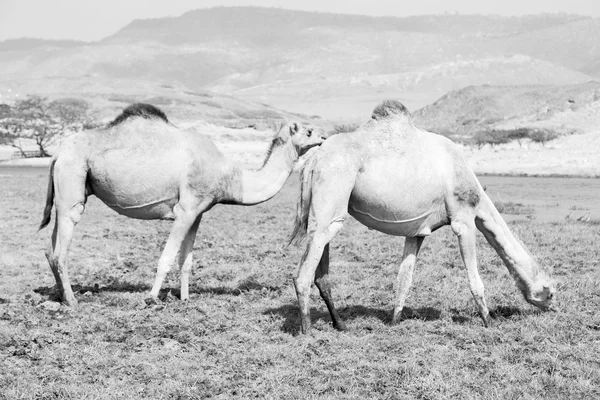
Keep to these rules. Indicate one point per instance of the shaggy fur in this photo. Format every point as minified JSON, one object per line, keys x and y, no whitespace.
{"x":390,"y":108}
{"x":143,"y":110}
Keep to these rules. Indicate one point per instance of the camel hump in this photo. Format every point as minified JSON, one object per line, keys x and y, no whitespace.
{"x":143,"y":110}
{"x":390,"y":108}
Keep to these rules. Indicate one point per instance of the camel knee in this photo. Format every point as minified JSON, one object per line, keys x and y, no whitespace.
{"x":186,"y":266}
{"x":322,"y":282}
{"x":75,"y":212}
{"x":164,"y":267}
{"x":460,"y":228}
{"x":301,"y":284}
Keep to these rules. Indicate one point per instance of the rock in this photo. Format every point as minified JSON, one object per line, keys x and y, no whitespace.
{"x":170,"y":344}
{"x":50,"y":306}
{"x":33,"y":298}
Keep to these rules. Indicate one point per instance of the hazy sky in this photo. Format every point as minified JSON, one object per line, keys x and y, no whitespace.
{"x":93,"y":20}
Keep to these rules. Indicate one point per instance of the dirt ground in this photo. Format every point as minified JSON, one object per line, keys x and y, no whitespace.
{"x":237,"y":337}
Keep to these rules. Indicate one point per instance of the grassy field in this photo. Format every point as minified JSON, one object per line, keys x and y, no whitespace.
{"x":237,"y":337}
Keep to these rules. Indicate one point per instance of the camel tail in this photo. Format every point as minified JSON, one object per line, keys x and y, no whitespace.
{"x":303,"y":207}
{"x":49,"y":198}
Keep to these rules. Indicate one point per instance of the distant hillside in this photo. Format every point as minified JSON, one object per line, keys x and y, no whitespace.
{"x":108,"y":97}
{"x":334,"y":65}
{"x":464,"y":113}
{"x":24,"y":44}
{"x":274,"y":25}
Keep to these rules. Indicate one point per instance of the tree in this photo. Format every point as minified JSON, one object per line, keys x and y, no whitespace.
{"x":543,"y":136}
{"x":491,"y":137}
{"x":519,"y":134}
{"x":42,"y":121}
{"x":4,"y":113}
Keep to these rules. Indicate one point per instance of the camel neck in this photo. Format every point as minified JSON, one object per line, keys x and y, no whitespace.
{"x":520,"y":263}
{"x":260,"y":185}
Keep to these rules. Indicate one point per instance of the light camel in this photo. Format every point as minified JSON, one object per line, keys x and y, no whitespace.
{"x":401,"y":180}
{"x":144,"y":167}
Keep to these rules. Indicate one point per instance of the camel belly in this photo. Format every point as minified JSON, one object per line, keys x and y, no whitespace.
{"x":138,"y":204}
{"x":397,"y":203}
{"x":420,"y":225}
{"x":150,"y":192}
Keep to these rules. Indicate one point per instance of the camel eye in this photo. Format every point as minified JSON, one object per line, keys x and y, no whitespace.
{"x":309,"y":132}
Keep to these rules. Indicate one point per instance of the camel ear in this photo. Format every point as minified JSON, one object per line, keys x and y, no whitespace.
{"x":294,"y":128}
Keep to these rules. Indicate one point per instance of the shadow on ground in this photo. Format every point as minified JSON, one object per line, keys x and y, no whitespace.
{"x":127,"y":287}
{"x":292,"y":320}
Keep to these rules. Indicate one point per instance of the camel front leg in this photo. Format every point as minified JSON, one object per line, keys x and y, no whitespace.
{"x":322,"y":282}
{"x":465,"y":231}
{"x":306,"y":271}
{"x":181,"y":227}
{"x":412,"y":245}
{"x":186,"y":259}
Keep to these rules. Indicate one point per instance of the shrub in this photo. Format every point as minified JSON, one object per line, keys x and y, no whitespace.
{"x":543,"y":136}
{"x":491,"y":137}
{"x":497,"y":136}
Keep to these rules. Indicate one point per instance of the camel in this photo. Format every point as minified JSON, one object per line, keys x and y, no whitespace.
{"x":401,"y":180}
{"x":142,"y":166}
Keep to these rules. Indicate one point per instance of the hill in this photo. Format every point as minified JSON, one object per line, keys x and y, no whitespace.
{"x":108,"y":97}
{"x":334,"y":65}
{"x":466,"y":112}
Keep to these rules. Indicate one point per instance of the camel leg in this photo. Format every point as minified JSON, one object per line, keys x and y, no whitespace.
{"x":184,"y":221}
{"x":322,"y":282}
{"x":308,"y":265}
{"x":465,"y":231}
{"x":186,"y":259}
{"x":70,"y":200}
{"x":412,"y":245}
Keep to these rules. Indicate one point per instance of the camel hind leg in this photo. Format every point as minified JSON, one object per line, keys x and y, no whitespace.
{"x":306,"y":271}
{"x":322,"y":283}
{"x":328,"y":208}
{"x":412,"y":245}
{"x":69,"y":201}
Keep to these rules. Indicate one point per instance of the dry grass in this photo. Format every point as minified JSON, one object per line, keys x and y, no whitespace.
{"x":513,"y":208}
{"x":237,"y":337}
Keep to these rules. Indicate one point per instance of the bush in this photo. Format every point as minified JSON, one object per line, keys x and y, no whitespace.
{"x":496,"y":136}
{"x":543,"y":136}
{"x":492,"y":138}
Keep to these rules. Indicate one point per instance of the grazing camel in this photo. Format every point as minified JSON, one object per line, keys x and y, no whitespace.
{"x":144,"y":167}
{"x":401,"y":180}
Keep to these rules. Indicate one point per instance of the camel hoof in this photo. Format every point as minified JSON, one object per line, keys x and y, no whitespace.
{"x":487,"y":322}
{"x":340,"y":326}
{"x":69,"y":301}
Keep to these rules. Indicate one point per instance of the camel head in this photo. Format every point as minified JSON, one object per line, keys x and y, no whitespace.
{"x":303,"y":138}
{"x":542,"y":294}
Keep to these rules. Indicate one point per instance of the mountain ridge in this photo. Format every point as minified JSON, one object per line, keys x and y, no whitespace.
{"x":335,"y":65}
